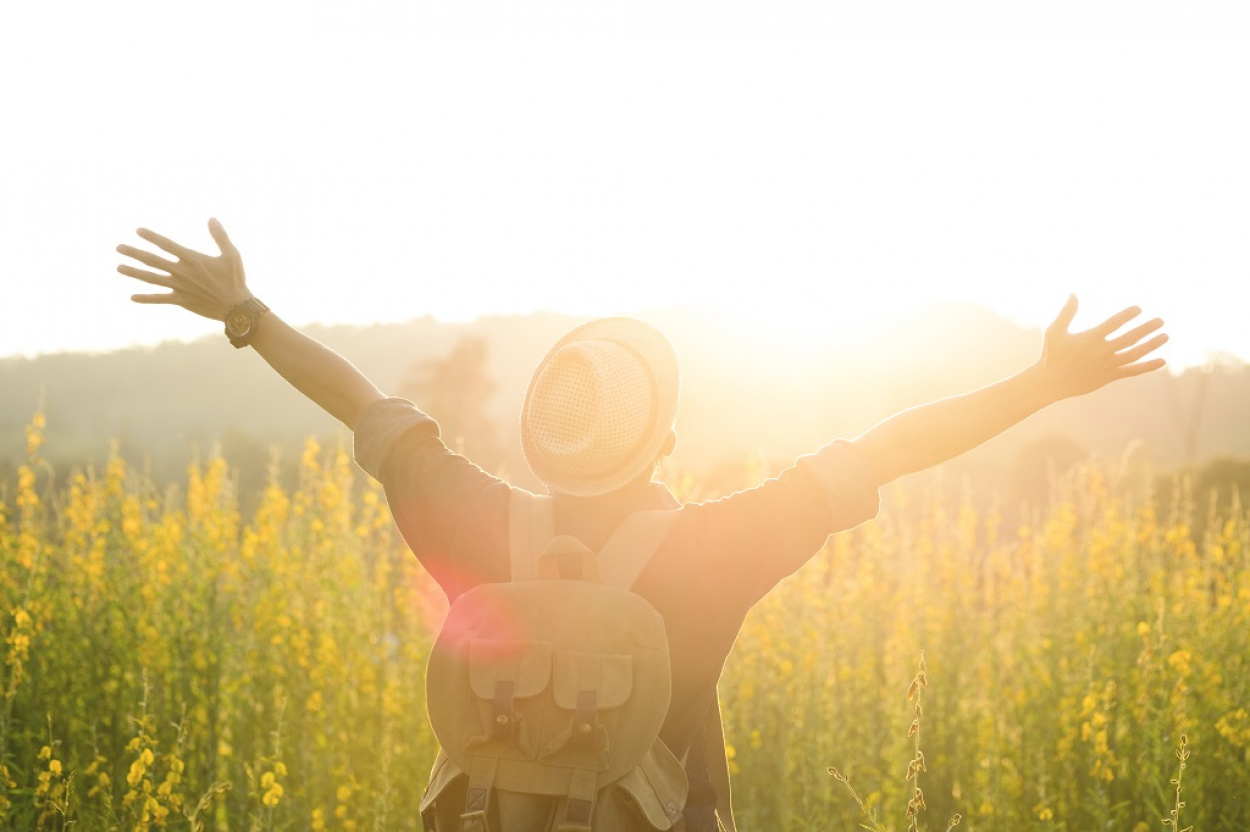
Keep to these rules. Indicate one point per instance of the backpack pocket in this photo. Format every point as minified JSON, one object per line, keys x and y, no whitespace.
{"x":508,"y":679}
{"x":443,"y":800}
{"x":588,"y":690}
{"x":653,"y":793}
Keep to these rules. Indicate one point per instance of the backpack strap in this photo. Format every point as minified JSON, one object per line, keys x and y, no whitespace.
{"x":531,"y":526}
{"x":632,"y":545}
{"x":580,"y":806}
{"x":477,"y":797}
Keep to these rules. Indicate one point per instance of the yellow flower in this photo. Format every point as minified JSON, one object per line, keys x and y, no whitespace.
{"x":54,"y":766}
{"x":1179,"y":661}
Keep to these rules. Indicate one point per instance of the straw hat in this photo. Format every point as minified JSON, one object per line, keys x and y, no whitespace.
{"x":600,"y":407}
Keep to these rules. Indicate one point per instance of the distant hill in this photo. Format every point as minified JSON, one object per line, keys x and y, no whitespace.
{"x":740,"y":400}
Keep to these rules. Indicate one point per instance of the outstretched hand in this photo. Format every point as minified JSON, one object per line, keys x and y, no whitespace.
{"x":205,"y":284}
{"x":1075,"y":363}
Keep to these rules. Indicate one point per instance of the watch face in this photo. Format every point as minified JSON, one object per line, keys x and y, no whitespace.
{"x":238,"y":321}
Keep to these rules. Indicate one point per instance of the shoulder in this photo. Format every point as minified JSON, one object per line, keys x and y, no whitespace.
{"x":832,"y":489}
{"x":382,"y":427}
{"x":736,"y":548}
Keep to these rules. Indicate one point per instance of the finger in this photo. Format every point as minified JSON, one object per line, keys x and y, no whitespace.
{"x":1146,"y":348}
{"x":168,"y":297}
{"x":1139,"y":369}
{"x":1116,"y":321}
{"x":1064,"y":319}
{"x":1134,"y":335}
{"x":147,"y":258}
{"x":216,"y":229}
{"x":181,"y":252}
{"x":145,"y":276}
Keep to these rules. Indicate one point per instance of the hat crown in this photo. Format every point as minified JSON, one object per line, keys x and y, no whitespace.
{"x":599,"y":406}
{"x":593,"y":403}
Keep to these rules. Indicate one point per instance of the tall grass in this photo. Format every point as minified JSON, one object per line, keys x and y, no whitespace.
{"x":168,"y":663}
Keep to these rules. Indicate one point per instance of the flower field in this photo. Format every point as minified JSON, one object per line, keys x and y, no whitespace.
{"x":169,"y":663}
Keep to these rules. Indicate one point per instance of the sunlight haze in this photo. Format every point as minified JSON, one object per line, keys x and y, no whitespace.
{"x":805,"y":169}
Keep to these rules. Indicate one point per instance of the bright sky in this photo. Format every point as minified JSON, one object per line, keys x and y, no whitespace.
{"x":830,"y":162}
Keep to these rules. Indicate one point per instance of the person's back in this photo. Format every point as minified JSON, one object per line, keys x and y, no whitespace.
{"x":547,"y":692}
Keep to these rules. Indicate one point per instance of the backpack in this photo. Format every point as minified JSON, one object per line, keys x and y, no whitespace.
{"x":547,"y":693}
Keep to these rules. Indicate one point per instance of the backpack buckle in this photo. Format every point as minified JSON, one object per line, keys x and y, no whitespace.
{"x":473,"y":821}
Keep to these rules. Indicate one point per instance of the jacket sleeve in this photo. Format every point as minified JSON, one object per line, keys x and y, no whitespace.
{"x":451,"y":513}
{"x":750,"y":540}
{"x":381,"y":428}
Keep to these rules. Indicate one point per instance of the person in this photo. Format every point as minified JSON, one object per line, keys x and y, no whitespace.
{"x":597,"y":420}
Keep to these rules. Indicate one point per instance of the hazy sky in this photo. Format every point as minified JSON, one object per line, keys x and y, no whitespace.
{"x":805,"y":166}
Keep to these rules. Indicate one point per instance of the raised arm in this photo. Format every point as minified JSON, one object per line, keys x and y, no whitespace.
{"x":1071,"y":364}
{"x":211,"y":285}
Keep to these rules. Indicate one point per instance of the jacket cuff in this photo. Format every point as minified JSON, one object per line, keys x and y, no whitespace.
{"x":848,"y":484}
{"x":382,"y":426}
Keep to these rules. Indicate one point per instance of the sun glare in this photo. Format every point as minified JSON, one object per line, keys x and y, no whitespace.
{"x":802,"y":336}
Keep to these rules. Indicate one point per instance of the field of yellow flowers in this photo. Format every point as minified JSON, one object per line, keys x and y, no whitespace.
{"x":168,"y":663}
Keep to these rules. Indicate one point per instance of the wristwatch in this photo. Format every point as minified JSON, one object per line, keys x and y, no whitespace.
{"x":242,"y":321}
